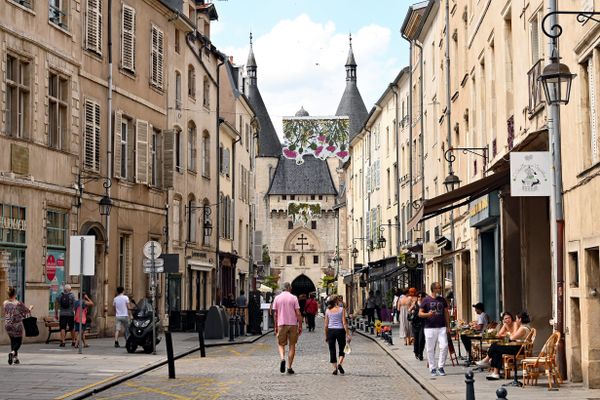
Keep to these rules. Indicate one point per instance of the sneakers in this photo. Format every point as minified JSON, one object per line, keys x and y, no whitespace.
{"x":290,"y":371}
{"x":483,"y":364}
{"x":16,"y":361}
{"x":117,"y":343}
{"x":433,"y":373}
{"x":441,"y":372}
{"x":494,"y":376}
{"x":10,"y":358}
{"x":282,"y":366}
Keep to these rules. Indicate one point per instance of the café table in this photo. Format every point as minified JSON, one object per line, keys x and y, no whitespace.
{"x":515,"y":382}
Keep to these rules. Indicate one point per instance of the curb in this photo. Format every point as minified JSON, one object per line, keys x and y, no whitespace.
{"x":102,"y":386}
{"x":429,"y":388}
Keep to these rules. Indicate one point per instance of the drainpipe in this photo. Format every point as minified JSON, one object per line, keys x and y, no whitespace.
{"x":410,"y":135}
{"x":217,"y":287}
{"x":449,"y":138}
{"x":397,"y":182}
{"x":109,"y":172}
{"x":421,"y":116}
{"x":557,"y":234}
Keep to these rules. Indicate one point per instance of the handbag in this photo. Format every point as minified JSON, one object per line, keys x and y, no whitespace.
{"x":30,"y":325}
{"x":347,"y":349}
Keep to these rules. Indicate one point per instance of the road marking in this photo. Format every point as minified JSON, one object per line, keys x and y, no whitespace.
{"x":64,"y":396}
{"x":152,"y":390}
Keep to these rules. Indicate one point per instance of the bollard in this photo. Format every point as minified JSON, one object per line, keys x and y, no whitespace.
{"x":200,"y":326}
{"x":372,"y":329}
{"x":242,"y":326}
{"x":470,"y":385}
{"x":501,"y":394}
{"x":236,"y":326}
{"x":170,"y":359}
{"x":231,"y":329}
{"x":391,"y":338}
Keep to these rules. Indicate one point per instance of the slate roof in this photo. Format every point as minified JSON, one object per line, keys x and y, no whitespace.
{"x":312,"y":177}
{"x":268,"y":141}
{"x":352,"y":105}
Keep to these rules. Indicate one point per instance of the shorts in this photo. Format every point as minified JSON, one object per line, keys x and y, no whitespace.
{"x":122,"y":322}
{"x":66,"y":322}
{"x":85,"y":326}
{"x":287,"y":333}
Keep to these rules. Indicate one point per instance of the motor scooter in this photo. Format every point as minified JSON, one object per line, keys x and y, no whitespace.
{"x":140,"y":329}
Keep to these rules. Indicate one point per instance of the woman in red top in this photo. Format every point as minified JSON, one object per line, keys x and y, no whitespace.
{"x":310,"y":309}
{"x":14,"y":312}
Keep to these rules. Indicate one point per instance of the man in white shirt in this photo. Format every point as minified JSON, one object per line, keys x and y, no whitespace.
{"x":121,"y":304}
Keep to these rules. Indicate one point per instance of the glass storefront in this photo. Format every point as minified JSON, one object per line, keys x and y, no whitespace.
{"x":13,"y":225}
{"x":55,"y":259}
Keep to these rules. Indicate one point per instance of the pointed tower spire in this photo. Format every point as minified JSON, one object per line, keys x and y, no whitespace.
{"x":251,"y":65}
{"x":350,"y":63}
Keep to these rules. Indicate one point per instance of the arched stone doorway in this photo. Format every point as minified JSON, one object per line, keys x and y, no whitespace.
{"x":302,"y":285}
{"x":94,"y":285}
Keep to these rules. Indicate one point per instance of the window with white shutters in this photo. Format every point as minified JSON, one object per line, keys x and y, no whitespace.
{"x":593,"y":111}
{"x":157,"y":57}
{"x":93,"y":28}
{"x":153,"y":157}
{"x":168,"y":158}
{"x":128,"y":38}
{"x":377,"y":174}
{"x":141,"y":153}
{"x":92,"y":136}
{"x":120,"y":146}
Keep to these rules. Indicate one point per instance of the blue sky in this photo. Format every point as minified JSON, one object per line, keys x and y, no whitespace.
{"x":301,"y":48}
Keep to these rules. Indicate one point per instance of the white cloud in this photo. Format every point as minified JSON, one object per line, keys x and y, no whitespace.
{"x":301,"y":63}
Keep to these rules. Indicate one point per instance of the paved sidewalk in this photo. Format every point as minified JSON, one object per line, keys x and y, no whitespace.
{"x":453,"y":387}
{"x":48,"y":371}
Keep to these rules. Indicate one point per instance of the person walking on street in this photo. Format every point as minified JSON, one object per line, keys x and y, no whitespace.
{"x":378,"y":304}
{"x":14,"y":312}
{"x":288,"y":325}
{"x":65,"y":313}
{"x":122,"y":307}
{"x":336,"y":330}
{"x":434,"y":309}
{"x":418,"y":326}
{"x":370,"y":308}
{"x":82,"y":307}
{"x":404,"y":328}
{"x":311,"y":308}
{"x":241,"y":300}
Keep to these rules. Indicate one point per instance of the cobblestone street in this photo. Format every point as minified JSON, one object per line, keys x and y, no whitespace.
{"x":252,"y":372}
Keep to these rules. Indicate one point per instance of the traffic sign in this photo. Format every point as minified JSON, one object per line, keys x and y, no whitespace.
{"x":148,"y":270}
{"x":159,"y":262}
{"x":152,"y":249}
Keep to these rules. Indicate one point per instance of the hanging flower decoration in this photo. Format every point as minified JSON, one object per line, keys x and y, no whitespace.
{"x":304,"y":212}
{"x":322,"y":137}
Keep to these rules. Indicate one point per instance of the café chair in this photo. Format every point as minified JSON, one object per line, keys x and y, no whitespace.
{"x":545,"y":361}
{"x":508,"y":360}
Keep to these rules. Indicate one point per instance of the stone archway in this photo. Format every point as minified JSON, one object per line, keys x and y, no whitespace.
{"x":303,"y":285}
{"x":95,"y":286}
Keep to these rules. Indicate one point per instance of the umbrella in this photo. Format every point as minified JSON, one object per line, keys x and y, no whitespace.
{"x":264,"y":289}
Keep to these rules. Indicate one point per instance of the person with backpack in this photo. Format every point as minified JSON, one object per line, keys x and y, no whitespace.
{"x":65,"y":313}
{"x":81,"y":318}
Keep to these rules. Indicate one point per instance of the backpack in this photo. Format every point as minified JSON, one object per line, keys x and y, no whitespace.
{"x":65,"y":301}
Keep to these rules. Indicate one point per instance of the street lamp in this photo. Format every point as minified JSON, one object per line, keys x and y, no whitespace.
{"x":355,"y":253}
{"x":556,"y":80}
{"x":451,"y":182}
{"x":105,"y":204}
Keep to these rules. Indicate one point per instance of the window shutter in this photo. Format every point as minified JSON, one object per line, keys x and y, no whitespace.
{"x":141,"y":153}
{"x":368,"y":179}
{"x":231,"y":208}
{"x":93,"y":31}
{"x":128,"y":38}
{"x":241,"y":185}
{"x":151,"y":154}
{"x":168,"y":158}
{"x":226,"y":161}
{"x":92,"y":135}
{"x":157,"y":38}
{"x":117,"y":144}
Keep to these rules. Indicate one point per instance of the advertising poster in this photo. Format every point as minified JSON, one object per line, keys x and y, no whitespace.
{"x":55,"y":276}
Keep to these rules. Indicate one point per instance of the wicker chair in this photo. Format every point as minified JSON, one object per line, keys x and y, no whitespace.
{"x":546,"y":360}
{"x":508,"y":360}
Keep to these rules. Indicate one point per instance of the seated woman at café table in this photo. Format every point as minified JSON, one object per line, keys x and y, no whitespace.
{"x":494,"y":356}
{"x":479,"y":326}
{"x":509,"y":326}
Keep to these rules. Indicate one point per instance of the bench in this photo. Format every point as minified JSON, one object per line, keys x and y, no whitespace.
{"x":53,"y":327}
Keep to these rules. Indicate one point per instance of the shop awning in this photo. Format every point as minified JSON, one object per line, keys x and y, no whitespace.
{"x":459,"y":197}
{"x":198,"y":265}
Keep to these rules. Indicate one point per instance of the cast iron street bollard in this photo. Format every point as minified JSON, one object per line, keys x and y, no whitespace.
{"x":231,"y":329}
{"x":372,"y":329}
{"x":201,"y":316}
{"x":391,"y":338}
{"x":170,"y":359}
{"x":501,"y":394}
{"x":470,"y":385}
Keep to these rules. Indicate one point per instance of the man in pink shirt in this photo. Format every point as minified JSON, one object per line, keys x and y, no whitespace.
{"x":288,"y":325}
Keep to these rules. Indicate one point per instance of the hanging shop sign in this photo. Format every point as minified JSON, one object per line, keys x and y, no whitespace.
{"x":484,"y":210}
{"x":321,"y":137}
{"x":303,"y":212}
{"x":530,"y":174}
